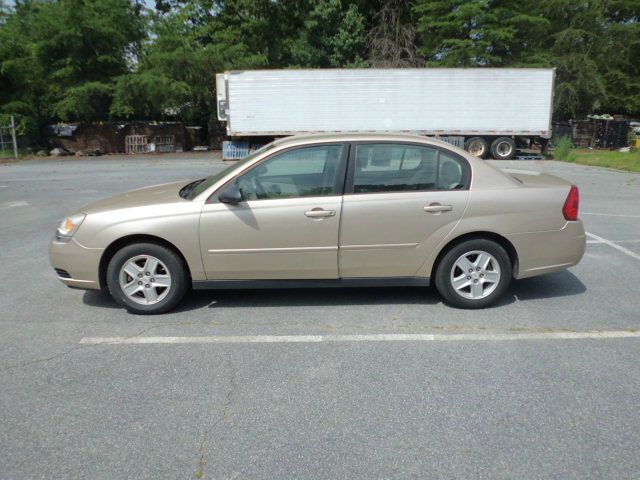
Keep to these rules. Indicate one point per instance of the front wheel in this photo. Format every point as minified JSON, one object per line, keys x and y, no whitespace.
{"x":146,"y":278}
{"x":473,"y":274}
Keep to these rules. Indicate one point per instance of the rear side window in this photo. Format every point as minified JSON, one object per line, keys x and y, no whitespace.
{"x":397,"y":168}
{"x":452,"y":173}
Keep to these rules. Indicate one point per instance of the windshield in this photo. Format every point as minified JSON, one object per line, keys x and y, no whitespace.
{"x":196,"y":188}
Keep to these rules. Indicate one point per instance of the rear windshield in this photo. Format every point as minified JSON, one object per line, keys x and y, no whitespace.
{"x":196,"y":188}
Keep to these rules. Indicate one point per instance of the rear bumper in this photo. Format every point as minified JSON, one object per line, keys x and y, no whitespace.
{"x":79,"y":265}
{"x":545,"y":252}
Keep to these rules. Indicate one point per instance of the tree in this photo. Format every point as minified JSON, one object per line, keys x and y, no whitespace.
{"x":392,"y":39}
{"x":332,"y":34}
{"x":89,"y":60}
{"x":193,"y":41}
{"x":621,"y":73}
{"x":61,"y":57}
{"x":593,"y":45}
{"x":477,"y":33}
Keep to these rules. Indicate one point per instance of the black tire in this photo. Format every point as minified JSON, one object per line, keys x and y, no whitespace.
{"x":443,"y":280}
{"x":503,"y":148}
{"x":176,"y":270}
{"x":477,"y":146}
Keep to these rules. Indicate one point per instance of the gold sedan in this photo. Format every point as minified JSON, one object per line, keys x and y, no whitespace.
{"x":323,"y":211}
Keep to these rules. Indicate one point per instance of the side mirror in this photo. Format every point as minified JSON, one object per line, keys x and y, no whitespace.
{"x":232,"y":194}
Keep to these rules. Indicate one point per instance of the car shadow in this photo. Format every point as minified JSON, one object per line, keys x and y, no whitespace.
{"x":553,"y":285}
{"x":286,"y":297}
{"x":314,"y":297}
{"x":102,"y":299}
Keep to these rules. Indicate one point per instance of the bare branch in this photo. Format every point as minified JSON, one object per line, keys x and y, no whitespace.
{"x":392,"y":42}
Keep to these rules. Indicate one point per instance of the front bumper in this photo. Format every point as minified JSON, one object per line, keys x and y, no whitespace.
{"x":76,"y":265}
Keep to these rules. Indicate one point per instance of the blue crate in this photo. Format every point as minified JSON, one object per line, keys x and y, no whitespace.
{"x":232,"y":150}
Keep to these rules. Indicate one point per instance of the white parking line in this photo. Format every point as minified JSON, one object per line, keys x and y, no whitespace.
{"x":610,"y":214}
{"x":393,"y":337}
{"x":617,"y":241}
{"x":18,"y":203}
{"x":614,"y":245}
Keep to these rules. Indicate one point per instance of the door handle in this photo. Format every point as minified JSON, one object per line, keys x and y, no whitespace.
{"x":437,"y":208}
{"x":320,"y":213}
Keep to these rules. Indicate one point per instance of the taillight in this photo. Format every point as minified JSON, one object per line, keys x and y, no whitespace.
{"x":571,"y":204}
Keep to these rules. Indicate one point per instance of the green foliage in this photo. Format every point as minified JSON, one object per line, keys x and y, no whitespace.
{"x":148,"y":96}
{"x":476,"y":33}
{"x":573,"y":44}
{"x":87,"y":102}
{"x":631,"y":139}
{"x":26,"y":126}
{"x":332,"y":35}
{"x":61,"y":57}
{"x":628,"y":161}
{"x":95,"y":60}
{"x":593,"y":44}
{"x":563,"y":148}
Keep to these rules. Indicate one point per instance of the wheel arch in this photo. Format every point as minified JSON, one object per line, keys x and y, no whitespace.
{"x":122,"y":242}
{"x":496,"y":237}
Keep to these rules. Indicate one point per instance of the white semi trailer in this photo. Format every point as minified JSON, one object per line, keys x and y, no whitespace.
{"x":489,"y":111}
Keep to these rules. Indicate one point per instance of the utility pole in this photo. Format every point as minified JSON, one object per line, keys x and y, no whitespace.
{"x":13,"y":136}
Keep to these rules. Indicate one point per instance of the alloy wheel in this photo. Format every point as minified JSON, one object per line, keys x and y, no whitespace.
{"x":145,"y":279}
{"x":475,"y":275}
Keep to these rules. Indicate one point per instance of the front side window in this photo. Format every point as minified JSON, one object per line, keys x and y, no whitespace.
{"x":194,"y":189}
{"x":301,"y":172}
{"x":397,"y":168}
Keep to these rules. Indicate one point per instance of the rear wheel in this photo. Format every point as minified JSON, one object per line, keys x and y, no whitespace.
{"x":503,"y":148}
{"x":473,"y":274}
{"x":146,"y":278}
{"x":477,"y":146}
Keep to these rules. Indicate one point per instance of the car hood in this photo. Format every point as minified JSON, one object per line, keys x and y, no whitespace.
{"x":154,"y":195}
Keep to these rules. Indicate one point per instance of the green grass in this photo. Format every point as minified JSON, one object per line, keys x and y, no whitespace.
{"x":629,"y":161}
{"x":7,"y":154}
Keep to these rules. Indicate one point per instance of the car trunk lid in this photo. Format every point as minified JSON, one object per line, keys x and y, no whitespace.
{"x":537,"y":179}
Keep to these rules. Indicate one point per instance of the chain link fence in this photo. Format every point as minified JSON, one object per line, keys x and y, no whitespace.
{"x":8,"y":140}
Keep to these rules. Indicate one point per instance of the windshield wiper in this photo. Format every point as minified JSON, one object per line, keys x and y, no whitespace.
{"x":185,"y":191}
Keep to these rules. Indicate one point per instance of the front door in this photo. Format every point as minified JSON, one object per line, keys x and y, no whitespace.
{"x":401,"y":200}
{"x":287,"y":225}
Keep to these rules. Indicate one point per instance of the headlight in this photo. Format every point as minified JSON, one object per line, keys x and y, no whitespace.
{"x":69,"y":225}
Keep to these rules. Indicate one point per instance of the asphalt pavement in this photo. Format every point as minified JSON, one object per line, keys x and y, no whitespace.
{"x":483,"y":406}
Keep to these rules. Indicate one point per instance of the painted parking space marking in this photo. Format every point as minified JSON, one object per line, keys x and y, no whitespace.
{"x":393,"y":337}
{"x":620,"y":248}
{"x":598,"y":242}
{"x":610,"y":214}
{"x":18,"y":203}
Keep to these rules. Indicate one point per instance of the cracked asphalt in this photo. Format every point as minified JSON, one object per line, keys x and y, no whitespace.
{"x":489,"y":410}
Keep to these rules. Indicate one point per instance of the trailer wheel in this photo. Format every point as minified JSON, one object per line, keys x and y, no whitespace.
{"x":503,"y":148}
{"x":477,"y":146}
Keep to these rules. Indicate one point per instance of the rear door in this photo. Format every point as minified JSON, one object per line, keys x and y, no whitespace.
{"x":401,"y":200}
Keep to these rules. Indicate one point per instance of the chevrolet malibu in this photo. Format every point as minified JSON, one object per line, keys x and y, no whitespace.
{"x":322,"y":211}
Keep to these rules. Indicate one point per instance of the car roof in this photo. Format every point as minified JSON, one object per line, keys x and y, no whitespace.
{"x":483,"y":172}
{"x":358,"y":137}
